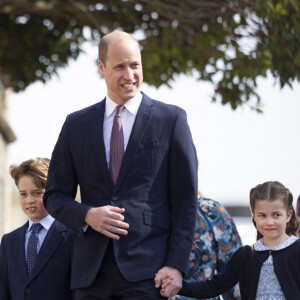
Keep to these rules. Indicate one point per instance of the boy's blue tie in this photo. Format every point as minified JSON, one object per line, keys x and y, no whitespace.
{"x":32,"y":246}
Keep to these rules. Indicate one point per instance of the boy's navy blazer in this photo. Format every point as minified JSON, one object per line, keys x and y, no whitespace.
{"x":50,"y":278}
{"x":157,"y":186}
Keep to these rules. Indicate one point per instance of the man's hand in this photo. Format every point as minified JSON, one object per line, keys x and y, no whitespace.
{"x":107,"y":220}
{"x":173,"y":286}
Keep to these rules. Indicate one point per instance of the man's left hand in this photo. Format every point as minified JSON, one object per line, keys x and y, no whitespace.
{"x":175,"y":285}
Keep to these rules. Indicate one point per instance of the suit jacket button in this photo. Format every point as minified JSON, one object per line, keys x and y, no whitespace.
{"x":28,"y":291}
{"x":114,"y":198}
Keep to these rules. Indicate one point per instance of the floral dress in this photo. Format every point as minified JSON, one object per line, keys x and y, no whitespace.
{"x":268,"y":285}
{"x":216,"y":239}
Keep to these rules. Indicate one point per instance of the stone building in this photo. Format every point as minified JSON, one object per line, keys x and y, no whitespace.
{"x":7,"y":136}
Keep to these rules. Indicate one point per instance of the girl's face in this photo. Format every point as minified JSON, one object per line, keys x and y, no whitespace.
{"x":31,"y":198}
{"x":271,"y":219}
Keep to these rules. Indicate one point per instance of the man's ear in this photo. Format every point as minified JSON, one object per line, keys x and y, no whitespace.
{"x":101,"y":68}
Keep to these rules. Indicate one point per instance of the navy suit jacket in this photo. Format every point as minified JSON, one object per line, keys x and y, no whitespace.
{"x":157,"y":186}
{"x":50,"y":278}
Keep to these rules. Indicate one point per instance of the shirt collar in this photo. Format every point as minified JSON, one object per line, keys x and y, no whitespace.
{"x":259,"y":245}
{"x":46,"y":222}
{"x":131,"y":105}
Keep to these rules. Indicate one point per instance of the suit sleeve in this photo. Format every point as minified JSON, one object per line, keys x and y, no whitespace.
{"x":61,"y":188}
{"x":4,"y":282}
{"x":183,"y":184}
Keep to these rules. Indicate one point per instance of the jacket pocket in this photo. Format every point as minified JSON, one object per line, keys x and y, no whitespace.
{"x":152,"y":144}
{"x":157,"y":220}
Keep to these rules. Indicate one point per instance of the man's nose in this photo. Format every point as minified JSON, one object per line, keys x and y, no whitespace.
{"x":128,"y":73}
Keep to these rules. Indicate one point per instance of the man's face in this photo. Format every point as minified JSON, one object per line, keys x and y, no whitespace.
{"x":123,"y":71}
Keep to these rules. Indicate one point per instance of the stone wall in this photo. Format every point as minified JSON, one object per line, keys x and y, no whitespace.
{"x":6,"y":136}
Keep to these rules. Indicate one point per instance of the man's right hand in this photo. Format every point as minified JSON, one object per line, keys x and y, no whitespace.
{"x":107,"y":220}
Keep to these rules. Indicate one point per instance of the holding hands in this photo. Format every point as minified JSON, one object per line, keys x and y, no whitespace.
{"x":166,"y":281}
{"x":169,"y":280}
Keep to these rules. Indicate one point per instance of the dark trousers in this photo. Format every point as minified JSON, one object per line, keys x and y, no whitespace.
{"x":111,"y":285}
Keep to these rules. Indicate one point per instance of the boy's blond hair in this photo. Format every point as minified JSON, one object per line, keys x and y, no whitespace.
{"x":36,"y":168}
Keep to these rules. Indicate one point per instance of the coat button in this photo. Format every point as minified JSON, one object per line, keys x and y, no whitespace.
{"x":28,"y":291}
{"x":114,"y":198}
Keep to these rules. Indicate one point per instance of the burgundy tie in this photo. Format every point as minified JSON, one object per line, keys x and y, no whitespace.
{"x":116,"y":145}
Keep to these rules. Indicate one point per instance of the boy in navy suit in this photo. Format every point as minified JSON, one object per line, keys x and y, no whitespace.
{"x":35,"y":258}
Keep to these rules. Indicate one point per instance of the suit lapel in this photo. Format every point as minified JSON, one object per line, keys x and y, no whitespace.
{"x":19,"y":250}
{"x":96,"y":127}
{"x":51,"y":242}
{"x":140,"y":126}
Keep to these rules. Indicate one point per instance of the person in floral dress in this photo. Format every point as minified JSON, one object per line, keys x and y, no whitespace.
{"x":216,"y":239}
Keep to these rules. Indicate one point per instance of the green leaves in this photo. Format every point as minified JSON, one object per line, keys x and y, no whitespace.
{"x":228,"y":43}
{"x":35,"y":49}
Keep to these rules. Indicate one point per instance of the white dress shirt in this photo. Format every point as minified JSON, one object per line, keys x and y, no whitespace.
{"x":128,"y":116}
{"x":46,"y":224}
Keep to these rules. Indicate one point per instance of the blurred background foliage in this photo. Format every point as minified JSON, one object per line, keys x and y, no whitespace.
{"x":230,"y":43}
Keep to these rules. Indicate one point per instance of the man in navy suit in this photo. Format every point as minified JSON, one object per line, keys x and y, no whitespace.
{"x":137,"y":218}
{"x":45,"y":273}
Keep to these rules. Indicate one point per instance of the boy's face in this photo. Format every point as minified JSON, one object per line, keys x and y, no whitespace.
{"x":31,"y":198}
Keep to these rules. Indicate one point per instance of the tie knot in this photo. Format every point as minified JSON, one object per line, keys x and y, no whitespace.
{"x":119,"y":109}
{"x":36,"y":227}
